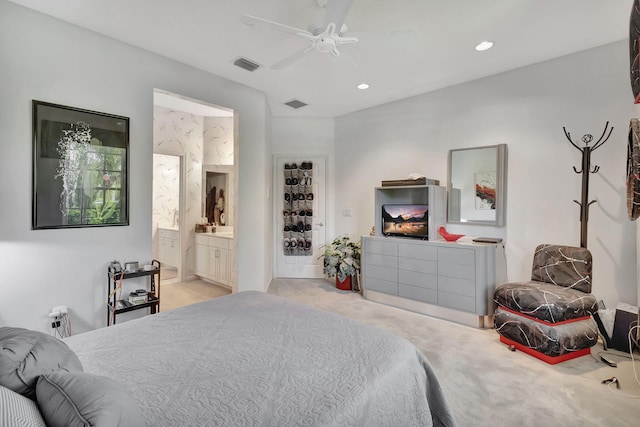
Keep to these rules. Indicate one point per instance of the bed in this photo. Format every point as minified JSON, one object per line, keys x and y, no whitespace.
{"x":252,"y":359}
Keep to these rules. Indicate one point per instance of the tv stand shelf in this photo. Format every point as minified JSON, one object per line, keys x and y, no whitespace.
{"x":434,"y":196}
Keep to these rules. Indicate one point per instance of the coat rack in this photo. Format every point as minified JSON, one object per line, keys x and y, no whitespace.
{"x":585,"y":171}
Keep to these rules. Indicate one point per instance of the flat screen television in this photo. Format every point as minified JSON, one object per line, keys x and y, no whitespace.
{"x":408,"y":220}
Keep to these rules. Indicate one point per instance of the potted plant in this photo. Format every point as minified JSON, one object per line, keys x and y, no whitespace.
{"x":342,"y":260}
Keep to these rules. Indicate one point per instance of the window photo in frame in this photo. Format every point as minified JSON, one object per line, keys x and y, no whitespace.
{"x":80,"y":167}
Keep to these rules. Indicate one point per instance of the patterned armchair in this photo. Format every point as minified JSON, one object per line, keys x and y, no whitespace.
{"x":549,"y":316}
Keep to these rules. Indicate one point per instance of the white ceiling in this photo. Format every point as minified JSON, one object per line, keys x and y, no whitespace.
{"x":408,"y":47}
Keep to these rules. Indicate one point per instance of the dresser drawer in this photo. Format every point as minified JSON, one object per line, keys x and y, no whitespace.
{"x":383,"y":273}
{"x":416,"y":251}
{"x":457,"y":256}
{"x":381,"y":247}
{"x":419,"y":265}
{"x":385,"y":286}
{"x":457,"y":286}
{"x":422,"y":280}
{"x":459,"y":271}
{"x":457,"y":302}
{"x":421,"y":294}
{"x":381,"y":260}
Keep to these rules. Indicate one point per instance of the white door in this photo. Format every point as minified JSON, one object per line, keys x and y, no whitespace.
{"x":300,"y":216}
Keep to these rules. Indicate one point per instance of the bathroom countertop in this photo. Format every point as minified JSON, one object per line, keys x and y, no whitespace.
{"x":168,"y":227}
{"x":223,"y":234}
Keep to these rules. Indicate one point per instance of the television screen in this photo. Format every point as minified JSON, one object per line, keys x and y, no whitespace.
{"x":405,"y":220}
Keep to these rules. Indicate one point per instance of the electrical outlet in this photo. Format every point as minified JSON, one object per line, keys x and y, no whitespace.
{"x":346,"y":212}
{"x":61,"y":308}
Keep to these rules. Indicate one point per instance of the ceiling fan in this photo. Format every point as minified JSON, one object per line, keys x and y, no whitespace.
{"x":325,"y":39}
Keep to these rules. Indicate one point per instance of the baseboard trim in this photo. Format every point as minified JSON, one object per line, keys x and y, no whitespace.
{"x":467,"y":319}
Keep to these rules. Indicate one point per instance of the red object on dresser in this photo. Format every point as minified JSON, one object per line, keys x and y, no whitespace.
{"x":449,"y":237}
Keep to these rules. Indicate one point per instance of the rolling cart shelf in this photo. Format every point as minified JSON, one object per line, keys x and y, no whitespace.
{"x":122,"y":305}
{"x":122,"y":308}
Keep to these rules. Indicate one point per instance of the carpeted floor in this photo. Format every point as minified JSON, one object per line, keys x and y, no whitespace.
{"x":486,"y":384}
{"x":174,"y":295}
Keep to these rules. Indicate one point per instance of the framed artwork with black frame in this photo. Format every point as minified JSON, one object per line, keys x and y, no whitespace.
{"x":80,"y":168}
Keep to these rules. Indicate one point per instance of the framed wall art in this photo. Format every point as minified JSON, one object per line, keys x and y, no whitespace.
{"x":80,"y":167}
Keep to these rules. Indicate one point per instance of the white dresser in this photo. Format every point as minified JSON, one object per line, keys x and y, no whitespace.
{"x":451,"y":280}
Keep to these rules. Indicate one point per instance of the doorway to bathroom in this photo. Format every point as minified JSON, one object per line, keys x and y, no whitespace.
{"x":194,"y":150}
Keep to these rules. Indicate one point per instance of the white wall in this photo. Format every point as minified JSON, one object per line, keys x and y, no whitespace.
{"x":218,"y":141}
{"x":525,"y":109}
{"x":43,"y":58}
{"x":307,"y":136}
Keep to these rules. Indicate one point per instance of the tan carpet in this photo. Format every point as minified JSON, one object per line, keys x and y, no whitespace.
{"x":174,"y":295}
{"x":486,"y":384}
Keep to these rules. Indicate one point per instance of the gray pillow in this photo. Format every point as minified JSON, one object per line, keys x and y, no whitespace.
{"x":17,"y":410}
{"x":26,"y":354}
{"x":70,"y":399}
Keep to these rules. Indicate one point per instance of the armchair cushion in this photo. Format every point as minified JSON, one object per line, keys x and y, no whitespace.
{"x":566,"y":266}
{"x":549,"y":339}
{"x":545,"y":301}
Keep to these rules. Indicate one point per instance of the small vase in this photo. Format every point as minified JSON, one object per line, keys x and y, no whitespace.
{"x":344,"y":285}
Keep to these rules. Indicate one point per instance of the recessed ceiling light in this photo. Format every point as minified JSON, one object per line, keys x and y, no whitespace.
{"x":363,"y":86}
{"x":484,"y":46}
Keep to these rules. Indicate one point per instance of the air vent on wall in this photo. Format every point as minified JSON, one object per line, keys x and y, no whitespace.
{"x":295,"y":103}
{"x":246,"y":64}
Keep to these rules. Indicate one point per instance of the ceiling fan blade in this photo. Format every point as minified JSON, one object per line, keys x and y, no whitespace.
{"x":336,"y":12}
{"x":387,"y":37}
{"x":345,"y":40}
{"x":255,"y":21}
{"x":292,"y":58}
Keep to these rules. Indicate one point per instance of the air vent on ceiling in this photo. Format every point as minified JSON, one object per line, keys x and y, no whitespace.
{"x":295,"y":103}
{"x":246,"y":64}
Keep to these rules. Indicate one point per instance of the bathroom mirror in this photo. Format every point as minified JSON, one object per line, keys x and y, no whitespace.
{"x":477,"y":185}
{"x":217,"y":195}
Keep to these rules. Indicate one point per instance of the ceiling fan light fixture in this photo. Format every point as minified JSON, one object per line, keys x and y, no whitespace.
{"x":363,"y":86}
{"x":485,"y":45}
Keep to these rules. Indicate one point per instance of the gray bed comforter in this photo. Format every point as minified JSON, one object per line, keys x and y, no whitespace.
{"x":253,"y":359}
